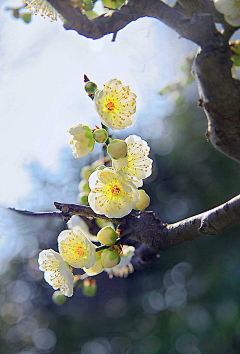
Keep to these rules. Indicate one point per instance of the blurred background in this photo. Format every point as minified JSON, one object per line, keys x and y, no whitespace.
{"x":188,"y":302}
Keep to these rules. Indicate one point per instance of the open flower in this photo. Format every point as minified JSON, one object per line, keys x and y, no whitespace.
{"x":56,"y":272}
{"x":136,"y":165}
{"x":116,"y":105}
{"x":125,"y":266}
{"x":44,"y":7}
{"x":230,"y":9}
{"x":82,"y":142}
{"x":76,"y":222}
{"x":76,"y":249}
{"x":111,"y":193}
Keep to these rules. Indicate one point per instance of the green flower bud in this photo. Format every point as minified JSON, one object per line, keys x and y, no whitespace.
{"x":100,"y":135}
{"x":110,"y":257}
{"x":117,"y":149}
{"x":86,"y":171}
{"x":26,"y":17}
{"x":88,"y":5}
{"x":90,"y":87}
{"x":58,"y":298}
{"x":144,"y":200}
{"x":83,"y":186}
{"x":107,"y":236}
{"x":89,"y":288}
{"x":82,"y":198}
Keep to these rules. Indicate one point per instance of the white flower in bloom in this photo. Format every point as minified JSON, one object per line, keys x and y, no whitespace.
{"x":230,"y":9}
{"x":76,"y":249}
{"x":76,"y":222}
{"x":44,"y":7}
{"x":136,"y":165}
{"x":111,"y":193}
{"x":82,"y":142}
{"x":56,"y":272}
{"x":125,"y":266}
{"x":116,"y":105}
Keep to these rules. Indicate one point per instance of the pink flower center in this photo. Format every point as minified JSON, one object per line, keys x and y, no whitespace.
{"x":80,"y":251}
{"x":115,"y":190}
{"x":110,"y":106}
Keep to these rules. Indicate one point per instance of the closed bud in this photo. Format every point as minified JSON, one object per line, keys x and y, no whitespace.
{"x":110,"y":257}
{"x":88,"y":5}
{"x":86,"y":171}
{"x":26,"y":17}
{"x":100,"y":135}
{"x":117,"y":149}
{"x":83,"y":186}
{"x":58,"y":298}
{"x":90,"y":87}
{"x":107,"y":236}
{"x":89,"y":287}
{"x":144,"y":200}
{"x":82,"y":198}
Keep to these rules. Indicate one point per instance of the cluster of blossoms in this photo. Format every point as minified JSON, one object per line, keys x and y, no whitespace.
{"x":230,"y":9}
{"x":110,"y":190}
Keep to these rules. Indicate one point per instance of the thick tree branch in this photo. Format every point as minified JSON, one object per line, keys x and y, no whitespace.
{"x":149,"y":230}
{"x":197,"y":28}
{"x":220,"y":96}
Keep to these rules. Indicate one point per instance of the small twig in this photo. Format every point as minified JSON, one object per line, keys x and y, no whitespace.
{"x":54,"y":214}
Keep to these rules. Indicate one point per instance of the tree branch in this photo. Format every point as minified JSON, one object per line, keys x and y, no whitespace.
{"x":149,"y":230}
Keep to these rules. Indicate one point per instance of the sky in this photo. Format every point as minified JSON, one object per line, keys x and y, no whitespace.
{"x":41,"y":86}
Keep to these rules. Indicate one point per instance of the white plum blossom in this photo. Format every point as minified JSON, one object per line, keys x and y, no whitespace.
{"x":136,"y":165}
{"x":76,"y":222}
{"x":230,"y":9}
{"x":111,"y":193}
{"x":56,"y":272}
{"x":76,"y":248}
{"x":116,"y":105}
{"x":125,"y":266}
{"x":44,"y":7}
{"x":82,"y":142}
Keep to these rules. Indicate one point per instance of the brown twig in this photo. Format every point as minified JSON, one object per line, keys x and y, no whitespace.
{"x":148,"y":229}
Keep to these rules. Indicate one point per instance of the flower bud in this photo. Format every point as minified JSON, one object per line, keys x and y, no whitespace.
{"x":83,"y":186}
{"x":26,"y":17}
{"x":89,"y":287}
{"x":90,"y":87}
{"x":82,"y":198}
{"x":117,"y":149}
{"x":86,"y":171}
{"x":110,"y":257}
{"x":58,"y":298}
{"x":88,"y":5}
{"x":97,"y":267}
{"x":100,"y":135}
{"x":144,"y":200}
{"x":107,"y":236}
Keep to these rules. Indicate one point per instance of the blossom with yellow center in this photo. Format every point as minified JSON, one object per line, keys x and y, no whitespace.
{"x":125,"y":266}
{"x":56,"y":272}
{"x":82,"y":142}
{"x":230,"y":9}
{"x":136,"y":165}
{"x":76,"y":248}
{"x":44,"y":7}
{"x":116,"y":105}
{"x":111,"y":193}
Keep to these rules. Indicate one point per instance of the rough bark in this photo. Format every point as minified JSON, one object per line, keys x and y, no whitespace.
{"x":147,"y":229}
